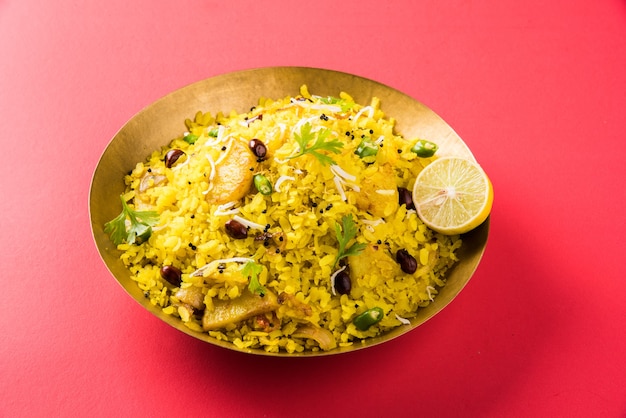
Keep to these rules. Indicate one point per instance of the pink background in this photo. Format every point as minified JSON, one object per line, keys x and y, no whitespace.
{"x":536,"y":88}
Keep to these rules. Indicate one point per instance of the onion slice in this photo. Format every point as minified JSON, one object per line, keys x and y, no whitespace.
{"x":322,"y":336}
{"x":226,"y":209}
{"x":403,"y":320}
{"x":213,"y":264}
{"x":339,"y":187}
{"x":248,"y":223}
{"x":430,"y":289}
{"x":338,"y":171}
{"x":281,"y":180}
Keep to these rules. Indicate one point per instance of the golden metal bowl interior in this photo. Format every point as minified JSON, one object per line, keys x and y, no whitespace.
{"x":156,"y":125}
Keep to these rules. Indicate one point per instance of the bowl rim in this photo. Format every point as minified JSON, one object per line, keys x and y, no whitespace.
{"x":478,"y":236}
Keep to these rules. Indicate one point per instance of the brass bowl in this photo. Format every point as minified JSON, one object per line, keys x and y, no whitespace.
{"x":162,"y":121}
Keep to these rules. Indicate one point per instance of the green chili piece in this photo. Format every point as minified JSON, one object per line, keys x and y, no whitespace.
{"x":262,"y":184}
{"x":213,"y":132}
{"x":143,"y":233}
{"x":368,"y":318}
{"x":425,"y":148}
{"x":366,"y":148}
{"x":190,"y":138}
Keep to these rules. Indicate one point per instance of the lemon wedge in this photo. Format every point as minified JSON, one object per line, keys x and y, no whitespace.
{"x":453,"y":195}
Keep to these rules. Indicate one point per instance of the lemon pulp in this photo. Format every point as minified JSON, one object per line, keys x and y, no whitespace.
{"x":453,"y":195}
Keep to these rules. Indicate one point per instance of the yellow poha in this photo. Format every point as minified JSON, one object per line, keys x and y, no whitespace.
{"x":278,"y":227}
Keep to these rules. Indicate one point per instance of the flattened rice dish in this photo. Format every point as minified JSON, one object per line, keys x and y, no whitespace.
{"x":288,"y":228}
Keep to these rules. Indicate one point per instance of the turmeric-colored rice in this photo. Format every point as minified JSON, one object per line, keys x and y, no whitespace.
{"x":291,"y":231}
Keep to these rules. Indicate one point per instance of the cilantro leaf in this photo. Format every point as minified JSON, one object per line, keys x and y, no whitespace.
{"x":139,"y":228}
{"x":252,"y":271}
{"x":345,"y":234}
{"x":319,"y":143}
